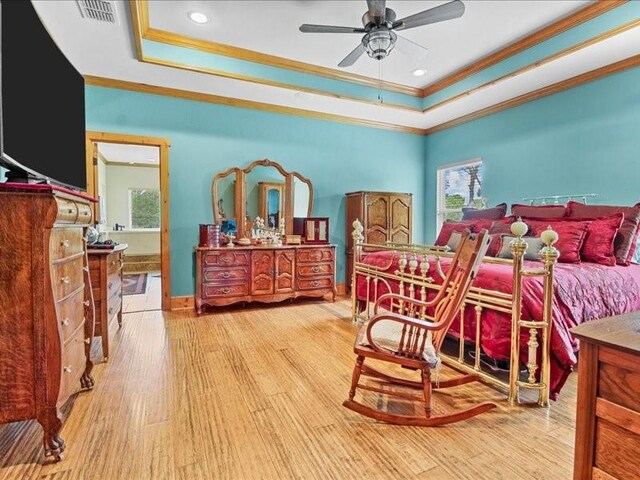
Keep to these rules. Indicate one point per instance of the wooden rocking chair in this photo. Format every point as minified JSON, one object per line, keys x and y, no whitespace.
{"x":415,"y":342}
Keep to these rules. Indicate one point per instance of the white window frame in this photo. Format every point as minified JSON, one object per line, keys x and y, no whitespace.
{"x":131,"y":229}
{"x":441,"y":211}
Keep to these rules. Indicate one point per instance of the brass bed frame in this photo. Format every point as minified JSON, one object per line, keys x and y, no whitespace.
{"x":413,"y":276}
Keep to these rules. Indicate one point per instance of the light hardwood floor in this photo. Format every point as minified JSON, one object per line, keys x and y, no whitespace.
{"x":256,"y":393}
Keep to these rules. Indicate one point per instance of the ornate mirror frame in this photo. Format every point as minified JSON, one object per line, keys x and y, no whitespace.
{"x":241,"y":194}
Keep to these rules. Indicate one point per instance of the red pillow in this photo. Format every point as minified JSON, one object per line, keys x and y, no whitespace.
{"x":571,"y":235}
{"x":481,"y":224}
{"x":540,"y":211}
{"x":452,"y":226}
{"x":495,"y":245}
{"x":627,"y":236}
{"x":502,"y":226}
{"x":495,"y":213}
{"x":598,"y":244}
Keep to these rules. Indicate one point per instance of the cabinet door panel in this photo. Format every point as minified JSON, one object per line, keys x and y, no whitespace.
{"x":262,"y":263}
{"x":378,"y":212}
{"x":400,"y":219}
{"x":285,"y":266}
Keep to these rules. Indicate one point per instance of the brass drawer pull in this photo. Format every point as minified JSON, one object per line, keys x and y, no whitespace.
{"x":68,"y":369}
{"x":64,"y":243}
{"x":315,"y":269}
{"x":65,"y":322}
{"x":225,"y":290}
{"x":65,"y":280}
{"x":225,"y":274}
{"x":316,"y":283}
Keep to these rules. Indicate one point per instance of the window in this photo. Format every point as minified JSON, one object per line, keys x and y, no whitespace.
{"x":459,"y":185}
{"x":144,"y":208}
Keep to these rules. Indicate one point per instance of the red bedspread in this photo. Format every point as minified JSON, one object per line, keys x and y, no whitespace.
{"x":583,"y":292}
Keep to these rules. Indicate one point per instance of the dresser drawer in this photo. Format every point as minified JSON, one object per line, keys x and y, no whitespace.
{"x":73,"y":363}
{"x":315,"y":270}
{"x":114,"y":263}
{"x":113,"y":306}
{"x":212,"y":290}
{"x":66,"y":242}
{"x":315,"y":255}
{"x":215,"y":274}
{"x":114,"y":284}
{"x":619,"y":378}
{"x":67,"y":277}
{"x":67,"y":211}
{"x":84,"y":214}
{"x":314,"y":283}
{"x":71,"y":314}
{"x":223,"y":258}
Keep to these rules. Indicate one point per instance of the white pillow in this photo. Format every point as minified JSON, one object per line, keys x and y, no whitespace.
{"x":534,"y":245}
{"x":454,"y":241}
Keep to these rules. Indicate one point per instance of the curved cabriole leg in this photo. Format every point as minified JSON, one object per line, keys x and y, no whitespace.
{"x":52,"y":424}
{"x":86,"y":381}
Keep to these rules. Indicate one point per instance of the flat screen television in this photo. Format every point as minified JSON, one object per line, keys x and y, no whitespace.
{"x":42,"y":127}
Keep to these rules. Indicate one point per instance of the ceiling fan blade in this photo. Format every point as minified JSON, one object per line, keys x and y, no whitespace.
{"x":353,"y":56}
{"x":448,"y":11}
{"x":410,"y":48}
{"x":377,"y":10}
{"x":307,"y":28}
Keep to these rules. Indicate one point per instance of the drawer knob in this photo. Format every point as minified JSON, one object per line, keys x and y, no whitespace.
{"x":315,"y":269}
{"x":70,"y":210}
{"x":64,"y":243}
{"x":316,"y":283}
{"x":68,"y":369}
{"x":225,"y":290}
{"x":86,"y":303}
{"x":65,"y":280}
{"x":110,"y":285}
{"x":225,"y":274}
{"x":110,"y":309}
{"x":87,"y":341}
{"x":65,"y":322}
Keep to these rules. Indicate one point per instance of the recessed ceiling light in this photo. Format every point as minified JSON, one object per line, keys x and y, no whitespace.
{"x":198,"y":17}
{"x":418,"y":72}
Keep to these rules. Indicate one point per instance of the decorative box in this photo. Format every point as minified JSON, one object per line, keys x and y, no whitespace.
{"x":313,"y":230}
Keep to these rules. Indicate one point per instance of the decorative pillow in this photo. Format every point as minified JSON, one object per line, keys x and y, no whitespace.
{"x":495,"y":213}
{"x":494,"y":245}
{"x":534,"y":245}
{"x":539,"y":211}
{"x":502,"y":226}
{"x":598,"y":244}
{"x":452,"y":226}
{"x":481,"y":224}
{"x":627,"y":234}
{"x":454,"y":241}
{"x":571,"y":236}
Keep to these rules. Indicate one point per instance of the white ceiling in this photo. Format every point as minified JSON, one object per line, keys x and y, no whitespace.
{"x":272,"y":27}
{"x":122,"y":153}
{"x":106,"y":50}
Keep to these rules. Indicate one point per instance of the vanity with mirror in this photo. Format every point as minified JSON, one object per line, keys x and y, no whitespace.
{"x":256,"y":207}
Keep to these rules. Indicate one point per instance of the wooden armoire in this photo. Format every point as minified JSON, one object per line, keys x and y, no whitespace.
{"x":385,"y":216}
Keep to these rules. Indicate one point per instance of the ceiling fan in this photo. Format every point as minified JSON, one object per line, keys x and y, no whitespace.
{"x":380,"y":27}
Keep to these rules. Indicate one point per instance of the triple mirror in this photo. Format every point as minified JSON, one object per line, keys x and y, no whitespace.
{"x":264,"y":189}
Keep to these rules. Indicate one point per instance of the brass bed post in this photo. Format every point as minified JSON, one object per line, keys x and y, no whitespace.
{"x":358,"y":238}
{"x":549,"y":256}
{"x":518,"y":247}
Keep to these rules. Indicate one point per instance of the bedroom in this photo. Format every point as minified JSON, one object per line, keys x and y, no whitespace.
{"x":546,"y":98}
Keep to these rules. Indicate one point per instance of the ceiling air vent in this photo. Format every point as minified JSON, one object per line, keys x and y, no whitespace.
{"x":101,"y":10}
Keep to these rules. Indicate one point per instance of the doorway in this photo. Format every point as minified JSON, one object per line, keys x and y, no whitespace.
{"x":129,"y":175}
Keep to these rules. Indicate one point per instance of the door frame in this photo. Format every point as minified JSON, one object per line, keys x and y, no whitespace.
{"x":163,"y":144}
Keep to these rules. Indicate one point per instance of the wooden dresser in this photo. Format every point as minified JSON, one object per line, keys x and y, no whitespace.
{"x":46,"y":325}
{"x":227,"y":275}
{"x":608,"y":413}
{"x":385,"y":216}
{"x":106,"y":267}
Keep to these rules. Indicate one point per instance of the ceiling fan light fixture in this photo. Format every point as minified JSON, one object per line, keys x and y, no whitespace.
{"x":198,"y":17}
{"x":419,"y":72}
{"x":379,"y":43}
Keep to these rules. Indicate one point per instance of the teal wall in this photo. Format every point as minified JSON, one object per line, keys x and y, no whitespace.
{"x":207,"y":138}
{"x":583,"y":140}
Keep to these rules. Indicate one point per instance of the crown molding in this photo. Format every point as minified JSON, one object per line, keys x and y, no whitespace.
{"x":589,"y":12}
{"x":572,"y":82}
{"x":241,"y":103}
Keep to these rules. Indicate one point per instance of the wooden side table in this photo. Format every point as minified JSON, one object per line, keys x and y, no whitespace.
{"x":105,"y":267}
{"x":607,"y":444}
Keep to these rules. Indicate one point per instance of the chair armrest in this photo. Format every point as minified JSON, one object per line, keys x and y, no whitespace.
{"x":397,"y":317}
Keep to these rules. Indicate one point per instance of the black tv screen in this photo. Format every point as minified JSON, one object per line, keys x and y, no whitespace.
{"x":43,"y":122}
